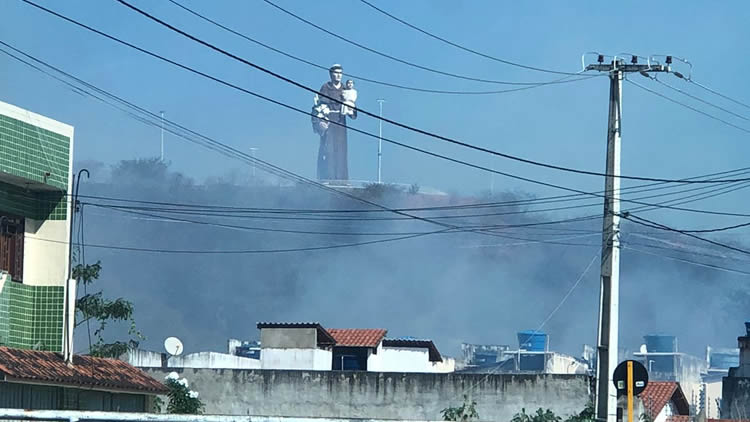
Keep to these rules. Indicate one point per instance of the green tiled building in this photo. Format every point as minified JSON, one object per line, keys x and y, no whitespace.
{"x":35,"y":184}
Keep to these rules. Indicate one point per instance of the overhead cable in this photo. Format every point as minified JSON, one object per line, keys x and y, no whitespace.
{"x":401,"y":125}
{"x":403,"y":61}
{"x":563,"y":80}
{"x":459,"y":46}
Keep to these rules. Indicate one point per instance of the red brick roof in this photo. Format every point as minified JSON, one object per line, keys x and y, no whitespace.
{"x":358,"y":337}
{"x":657,"y":394}
{"x":88,"y":372}
{"x":679,"y":418}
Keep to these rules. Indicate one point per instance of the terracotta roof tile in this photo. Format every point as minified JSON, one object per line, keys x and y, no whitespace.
{"x":657,"y":394}
{"x":679,"y":418}
{"x":87,"y":371}
{"x":358,"y":337}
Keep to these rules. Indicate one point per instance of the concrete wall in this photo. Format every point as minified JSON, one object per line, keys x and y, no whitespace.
{"x":346,"y":394}
{"x":735,"y":402}
{"x":289,"y":338}
{"x":210,"y":360}
{"x":310,"y":359}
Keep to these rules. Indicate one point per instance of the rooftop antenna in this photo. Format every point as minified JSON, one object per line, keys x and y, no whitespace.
{"x":161,"y":155}
{"x":380,"y":140}
{"x":173,"y":346}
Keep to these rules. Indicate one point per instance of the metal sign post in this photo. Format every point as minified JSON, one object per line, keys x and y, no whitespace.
{"x":631,"y":378}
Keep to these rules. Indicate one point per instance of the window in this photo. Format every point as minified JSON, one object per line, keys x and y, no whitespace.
{"x":11,"y":246}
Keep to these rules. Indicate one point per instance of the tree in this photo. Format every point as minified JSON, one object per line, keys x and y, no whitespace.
{"x":94,"y":306}
{"x":182,"y":400}
{"x":540,"y":416}
{"x":467,"y":411}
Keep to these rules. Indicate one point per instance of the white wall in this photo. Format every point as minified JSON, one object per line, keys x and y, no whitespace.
{"x":447,"y":365}
{"x":45,"y":252}
{"x":213,"y":360}
{"x":206,"y":360}
{"x":564,"y":364}
{"x":310,"y":359}
{"x":401,"y":359}
{"x":713,"y":392}
{"x":665,"y":413}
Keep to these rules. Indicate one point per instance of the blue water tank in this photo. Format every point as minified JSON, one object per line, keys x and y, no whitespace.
{"x":532,"y":340}
{"x":661,"y":344}
{"x":725,"y":360}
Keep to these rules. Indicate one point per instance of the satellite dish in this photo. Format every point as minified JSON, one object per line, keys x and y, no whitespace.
{"x":644,"y":350}
{"x":173,"y":345}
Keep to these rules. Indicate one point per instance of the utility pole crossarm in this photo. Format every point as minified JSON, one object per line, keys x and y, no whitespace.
{"x":628,"y":68}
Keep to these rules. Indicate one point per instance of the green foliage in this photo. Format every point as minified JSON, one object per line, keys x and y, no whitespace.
{"x":182,"y":400}
{"x":586,"y":415}
{"x":466,"y":412}
{"x":95,"y":307}
{"x":540,"y":416}
{"x":379,"y":190}
{"x":147,"y":169}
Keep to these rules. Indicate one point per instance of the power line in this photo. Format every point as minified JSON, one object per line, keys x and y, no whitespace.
{"x":654,"y":225}
{"x":232,"y":152}
{"x":687,"y":106}
{"x":679,"y":247}
{"x":317,"y":216}
{"x":248,"y":251}
{"x":210,"y":146}
{"x":717,"y":93}
{"x":687,"y":261}
{"x":402,"y":125}
{"x":374,"y":81}
{"x":689,"y":95}
{"x":399,"y":60}
{"x":459,"y":46}
{"x":713,"y":230}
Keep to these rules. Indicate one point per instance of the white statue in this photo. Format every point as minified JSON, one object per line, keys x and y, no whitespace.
{"x":350,"y":97}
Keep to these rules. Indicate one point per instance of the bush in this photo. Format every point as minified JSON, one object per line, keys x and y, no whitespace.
{"x":182,"y":400}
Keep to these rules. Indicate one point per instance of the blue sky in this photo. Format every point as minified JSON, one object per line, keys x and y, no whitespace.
{"x":563,"y":124}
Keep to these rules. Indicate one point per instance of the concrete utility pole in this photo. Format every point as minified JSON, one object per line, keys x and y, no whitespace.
{"x":609,"y":299}
{"x":380,"y":141}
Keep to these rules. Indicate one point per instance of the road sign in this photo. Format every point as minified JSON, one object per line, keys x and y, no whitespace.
{"x":639,"y":377}
{"x":630,"y":377}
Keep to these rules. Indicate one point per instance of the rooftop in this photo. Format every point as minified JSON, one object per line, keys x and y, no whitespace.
{"x":324,"y":337}
{"x":32,"y":366}
{"x":358,"y":337}
{"x":657,"y":394}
